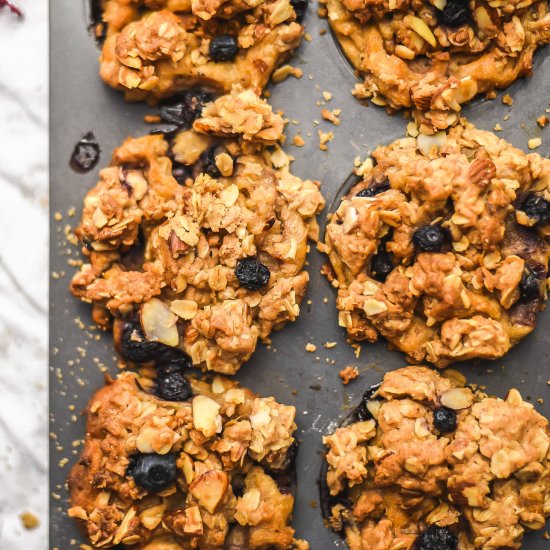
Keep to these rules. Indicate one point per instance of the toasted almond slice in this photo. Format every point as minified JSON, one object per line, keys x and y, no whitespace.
{"x":209,"y":489}
{"x":159,"y":323}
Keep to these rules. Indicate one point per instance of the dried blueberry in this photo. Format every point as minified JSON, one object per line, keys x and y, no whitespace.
{"x":537,"y":208}
{"x":208,"y":160}
{"x":381,"y":265}
{"x":165,"y":130}
{"x":437,"y":538}
{"x":153,"y":472}
{"x":238,"y":485}
{"x":300,"y":8}
{"x":431,"y":238}
{"x":134,"y":346}
{"x":184,"y":109}
{"x":530,"y":286}
{"x":362,"y":413}
{"x":379,"y":185}
{"x":455,"y":13}
{"x":445,"y":420}
{"x":171,"y":384}
{"x":223,"y":48}
{"x":85,"y":154}
{"x":181,"y":173}
{"x":252,"y":274}
{"x":290,"y":458}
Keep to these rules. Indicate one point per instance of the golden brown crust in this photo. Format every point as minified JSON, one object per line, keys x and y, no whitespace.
{"x":464,"y":300}
{"x":155,"y":54}
{"x":410,"y":60}
{"x":195,"y":234}
{"x":487,"y":481}
{"x":244,"y":437}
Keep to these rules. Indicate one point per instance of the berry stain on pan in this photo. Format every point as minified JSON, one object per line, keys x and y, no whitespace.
{"x":85,"y":155}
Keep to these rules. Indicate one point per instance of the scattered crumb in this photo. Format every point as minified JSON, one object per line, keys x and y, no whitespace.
{"x":29,"y":520}
{"x":311,"y":347}
{"x":507,"y":99}
{"x":543,"y":120}
{"x":327,"y":96}
{"x":332,"y":116}
{"x":298,"y":141}
{"x":348,"y":374}
{"x":506,"y":117}
{"x":152,"y":119}
{"x":324,"y":138}
{"x":282,"y":73}
{"x":57,"y":216}
{"x":322,"y":32}
{"x":307,"y":37}
{"x":497,"y":128}
{"x":534,"y":143}
{"x":330,"y":345}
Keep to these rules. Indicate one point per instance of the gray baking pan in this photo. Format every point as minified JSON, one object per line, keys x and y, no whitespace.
{"x":80,"y":354}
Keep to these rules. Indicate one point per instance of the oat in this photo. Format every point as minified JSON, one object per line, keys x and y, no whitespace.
{"x":29,"y":520}
{"x":324,"y":138}
{"x":534,"y":143}
{"x":348,"y":374}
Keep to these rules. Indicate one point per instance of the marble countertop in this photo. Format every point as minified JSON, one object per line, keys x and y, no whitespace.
{"x":24,"y":274}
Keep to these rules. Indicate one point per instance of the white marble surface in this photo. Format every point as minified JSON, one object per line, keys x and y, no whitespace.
{"x":23,"y":274}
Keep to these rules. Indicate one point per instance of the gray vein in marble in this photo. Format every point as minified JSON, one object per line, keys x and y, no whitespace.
{"x":13,"y":96}
{"x":28,"y":298}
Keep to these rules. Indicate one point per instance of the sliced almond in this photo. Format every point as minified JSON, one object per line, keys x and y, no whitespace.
{"x":419,"y":27}
{"x":186,"y":309}
{"x":159,"y":323}
{"x":209,"y":489}
{"x":151,"y":517}
{"x":206,"y":417}
{"x":457,"y":398}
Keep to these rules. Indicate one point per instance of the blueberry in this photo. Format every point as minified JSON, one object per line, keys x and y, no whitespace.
{"x":85,"y":154}
{"x":437,"y":538}
{"x":455,"y":13}
{"x":153,"y":472}
{"x":133,"y":346}
{"x":171,"y":384}
{"x":238,"y":485}
{"x":300,"y":8}
{"x":180,"y":172}
{"x":223,"y":48}
{"x":530,"y":286}
{"x":381,"y":265}
{"x":537,"y":208}
{"x":184,"y":109}
{"x":431,"y":238}
{"x":252,"y":274}
{"x":208,"y":159}
{"x":290,"y":458}
{"x":165,"y":130}
{"x":362,"y":412}
{"x":445,"y":420}
{"x":379,"y":185}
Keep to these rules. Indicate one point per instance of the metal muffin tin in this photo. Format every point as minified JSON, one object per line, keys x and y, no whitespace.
{"x":80,"y":102}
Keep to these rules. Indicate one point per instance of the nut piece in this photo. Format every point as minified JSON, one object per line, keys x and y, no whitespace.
{"x":457,"y":398}
{"x":209,"y":489}
{"x":159,"y":323}
{"x":206,"y":417}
